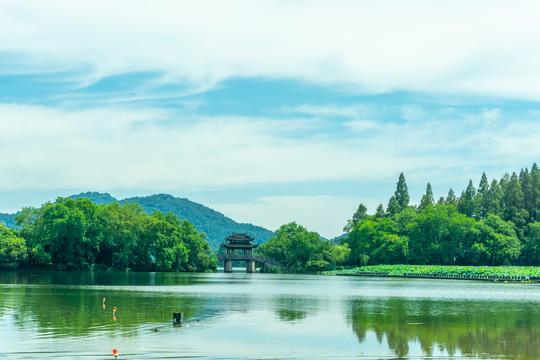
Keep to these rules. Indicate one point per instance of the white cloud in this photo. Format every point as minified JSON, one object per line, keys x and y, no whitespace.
{"x":361,"y":125}
{"x":326,"y":215}
{"x":122,"y":148}
{"x":481,"y":47}
{"x":114,"y":148}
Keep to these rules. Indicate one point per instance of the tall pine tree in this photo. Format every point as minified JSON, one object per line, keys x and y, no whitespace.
{"x":451,"y":198}
{"x":466,"y":201}
{"x":481,"y":197}
{"x":402,"y":193}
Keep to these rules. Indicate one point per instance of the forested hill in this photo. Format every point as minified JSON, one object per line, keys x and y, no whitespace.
{"x":8,"y":219}
{"x":214,"y":224}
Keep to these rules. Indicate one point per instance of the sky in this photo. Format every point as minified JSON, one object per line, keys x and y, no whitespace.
{"x":267,"y":111}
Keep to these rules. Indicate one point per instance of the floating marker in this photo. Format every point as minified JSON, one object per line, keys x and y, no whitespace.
{"x":115,"y":353}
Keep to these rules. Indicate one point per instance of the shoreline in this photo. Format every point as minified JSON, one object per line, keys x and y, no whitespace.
{"x":449,"y":277}
{"x":448,"y":272}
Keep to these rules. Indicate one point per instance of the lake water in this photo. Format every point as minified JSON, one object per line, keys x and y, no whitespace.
{"x":56,"y":315}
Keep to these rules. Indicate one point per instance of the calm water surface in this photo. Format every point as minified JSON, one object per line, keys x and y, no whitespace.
{"x":56,"y":315}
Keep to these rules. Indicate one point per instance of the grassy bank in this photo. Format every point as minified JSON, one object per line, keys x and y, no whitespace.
{"x":527,"y":272}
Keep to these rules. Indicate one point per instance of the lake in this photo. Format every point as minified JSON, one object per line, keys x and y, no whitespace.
{"x":61,"y":315}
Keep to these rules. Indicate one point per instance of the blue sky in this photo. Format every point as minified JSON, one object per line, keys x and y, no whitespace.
{"x":268,"y":111}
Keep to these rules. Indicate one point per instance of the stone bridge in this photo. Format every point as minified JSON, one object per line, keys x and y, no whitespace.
{"x":250,"y":260}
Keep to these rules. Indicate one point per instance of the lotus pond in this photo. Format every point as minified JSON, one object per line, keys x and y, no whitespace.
{"x":527,"y":272}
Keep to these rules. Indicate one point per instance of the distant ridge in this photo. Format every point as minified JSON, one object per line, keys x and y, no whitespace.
{"x":214,"y":224}
{"x":9,"y":219}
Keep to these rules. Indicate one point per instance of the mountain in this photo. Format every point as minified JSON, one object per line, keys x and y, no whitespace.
{"x":8,"y":220}
{"x":214,"y":224}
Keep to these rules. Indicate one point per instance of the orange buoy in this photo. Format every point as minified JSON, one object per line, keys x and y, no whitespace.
{"x":115,"y":353}
{"x":114,"y":318}
{"x":103,"y":299}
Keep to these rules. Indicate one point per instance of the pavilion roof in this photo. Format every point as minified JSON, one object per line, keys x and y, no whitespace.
{"x":239,"y":246}
{"x":239,"y":238}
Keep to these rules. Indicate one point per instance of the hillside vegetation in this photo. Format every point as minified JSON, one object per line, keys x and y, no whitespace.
{"x":215,"y":225}
{"x":77,"y":234}
{"x":497,"y":223}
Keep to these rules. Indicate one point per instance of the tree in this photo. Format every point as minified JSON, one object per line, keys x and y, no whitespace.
{"x":13,"y":250}
{"x":466,"y":201}
{"x":482,"y":196}
{"x":531,"y":247}
{"x":427,"y":199}
{"x":339,"y":254}
{"x":500,"y":241}
{"x":534,"y":195}
{"x":451,"y":198}
{"x":393,"y":207}
{"x":494,"y":198}
{"x":379,"y":213}
{"x":296,"y":247}
{"x":514,"y":209}
{"x":359,"y":215}
{"x":376,"y":242}
{"x":402,"y":193}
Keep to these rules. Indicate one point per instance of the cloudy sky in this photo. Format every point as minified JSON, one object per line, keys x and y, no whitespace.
{"x":268,"y":111}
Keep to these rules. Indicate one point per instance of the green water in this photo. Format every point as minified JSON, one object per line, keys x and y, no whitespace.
{"x":55,"y":315}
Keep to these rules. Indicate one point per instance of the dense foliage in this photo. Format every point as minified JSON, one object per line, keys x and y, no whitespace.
{"x":496,"y":224}
{"x":13,"y":249}
{"x":214,"y":224}
{"x":78,"y":234}
{"x":301,"y":250}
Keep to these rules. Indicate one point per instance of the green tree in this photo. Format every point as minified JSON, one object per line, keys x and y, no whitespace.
{"x":514,"y":209}
{"x":481,"y":198}
{"x":339,"y":254}
{"x":296,"y":247}
{"x":13,"y":250}
{"x":451,"y":198}
{"x":531,"y":247}
{"x":377,"y":242}
{"x":379,"y":213}
{"x":534,"y":194}
{"x":359,"y":215}
{"x":427,"y":199}
{"x":494,"y":198}
{"x":402,"y":193}
{"x":466,"y":203}
{"x":499,"y":240}
{"x":393,"y":207}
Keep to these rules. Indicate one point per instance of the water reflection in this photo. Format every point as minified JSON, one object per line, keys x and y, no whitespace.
{"x":253,"y":316}
{"x":105,"y":278}
{"x":63,"y":304}
{"x":289,"y":308}
{"x":470,"y":328}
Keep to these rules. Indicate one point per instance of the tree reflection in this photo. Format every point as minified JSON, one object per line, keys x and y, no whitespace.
{"x":293,"y":308}
{"x":472,"y":328}
{"x":77,"y":310}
